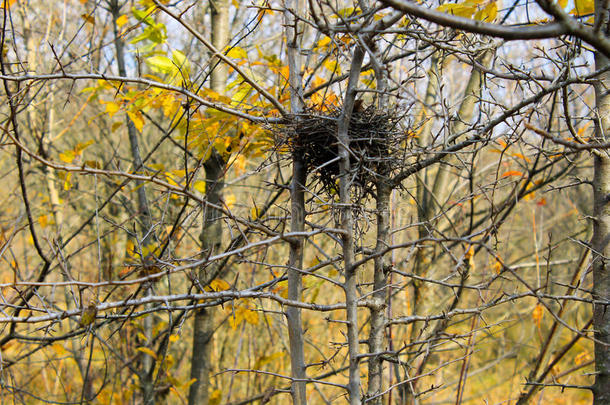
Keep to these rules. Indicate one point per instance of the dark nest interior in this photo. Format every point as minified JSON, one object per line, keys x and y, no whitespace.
{"x":374,"y":137}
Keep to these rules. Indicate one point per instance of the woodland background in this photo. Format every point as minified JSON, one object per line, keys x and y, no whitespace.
{"x":233,"y":202}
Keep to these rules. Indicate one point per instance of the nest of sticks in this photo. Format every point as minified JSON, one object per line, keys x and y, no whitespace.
{"x":374,"y":136}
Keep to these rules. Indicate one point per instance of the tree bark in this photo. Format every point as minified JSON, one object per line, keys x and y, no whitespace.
{"x":297,"y":197}
{"x":377,"y":305}
{"x":601,"y":227}
{"x":211,"y":232}
{"x":347,"y":225}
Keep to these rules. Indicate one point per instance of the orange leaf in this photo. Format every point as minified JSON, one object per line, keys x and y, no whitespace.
{"x":512,"y":173}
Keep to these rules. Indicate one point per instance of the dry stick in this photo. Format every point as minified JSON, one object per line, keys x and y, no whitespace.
{"x":297,"y":211}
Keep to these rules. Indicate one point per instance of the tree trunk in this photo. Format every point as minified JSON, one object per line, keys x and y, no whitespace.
{"x":377,"y":306}
{"x":211,"y":232}
{"x":601,"y":228}
{"x":347,"y":225}
{"x":144,"y":216}
{"x":297,"y":197}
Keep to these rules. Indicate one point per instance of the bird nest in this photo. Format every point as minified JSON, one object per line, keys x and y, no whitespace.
{"x":373,"y":138}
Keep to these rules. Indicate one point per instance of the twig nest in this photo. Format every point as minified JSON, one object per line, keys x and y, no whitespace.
{"x":373,"y":135}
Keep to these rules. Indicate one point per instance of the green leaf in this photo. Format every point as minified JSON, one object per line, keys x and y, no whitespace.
{"x":143,"y":15}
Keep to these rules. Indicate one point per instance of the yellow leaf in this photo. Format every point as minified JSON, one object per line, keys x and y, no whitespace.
{"x":537,"y":314}
{"x":531,"y":195}
{"x":230,"y":200}
{"x":236,"y":319}
{"x":459,"y":9}
{"x":469,"y":256}
{"x":219,"y":285}
{"x":130,"y":248}
{"x":67,"y":182}
{"x":251,"y":316}
{"x":137,"y":120}
{"x":215,"y":397}
{"x":583,"y":7}
{"x":67,"y":156}
{"x":81,"y":146}
{"x":43,"y":220}
{"x":323,"y":43}
{"x":214,"y":96}
{"x":83,"y":1}
{"x":497,"y":266}
{"x":147,"y":351}
{"x":488,"y":13}
{"x":562,"y":3}
{"x":115,"y":126}
{"x":199,"y":185}
{"x":174,"y":338}
{"x":582,"y":358}
{"x":9,"y":3}
{"x":161,"y":64}
{"x":88,"y":18}
{"x":348,"y":12}
{"x":237,"y":53}
{"x":332,"y":66}
{"x":59,"y":349}
{"x":122,"y":20}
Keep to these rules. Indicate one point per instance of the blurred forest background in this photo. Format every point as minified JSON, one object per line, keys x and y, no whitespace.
{"x":322,"y":201}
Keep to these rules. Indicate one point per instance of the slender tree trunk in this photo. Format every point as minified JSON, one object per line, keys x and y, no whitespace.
{"x":211,"y":241}
{"x":377,"y":305}
{"x":347,"y":225}
{"x":211,"y":232}
{"x":144,"y":215}
{"x":297,"y":196}
{"x":601,"y":228}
